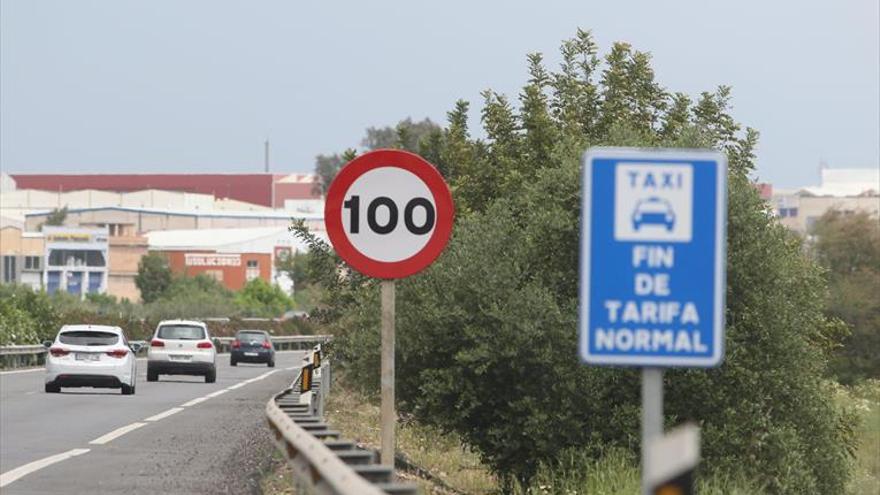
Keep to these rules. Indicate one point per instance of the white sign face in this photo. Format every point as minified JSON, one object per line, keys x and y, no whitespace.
{"x":653,"y":203}
{"x":389,"y":214}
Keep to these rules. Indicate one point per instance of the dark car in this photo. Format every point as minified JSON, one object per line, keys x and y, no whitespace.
{"x":252,"y":346}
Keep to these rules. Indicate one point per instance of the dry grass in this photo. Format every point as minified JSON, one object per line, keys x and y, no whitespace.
{"x":278,"y":480}
{"x":441,"y":454}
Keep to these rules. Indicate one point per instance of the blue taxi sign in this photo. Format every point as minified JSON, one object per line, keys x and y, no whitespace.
{"x":653,"y":243}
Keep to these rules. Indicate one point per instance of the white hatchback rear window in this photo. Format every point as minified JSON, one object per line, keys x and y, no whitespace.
{"x":181,"y":332}
{"x":88,"y":337}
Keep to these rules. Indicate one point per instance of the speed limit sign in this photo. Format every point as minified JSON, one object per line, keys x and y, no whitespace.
{"x":388,"y":213}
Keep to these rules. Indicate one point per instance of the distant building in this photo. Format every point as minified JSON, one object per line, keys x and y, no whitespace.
{"x":269,"y":190}
{"x":142,"y":220}
{"x":22,"y":256}
{"x":7,"y":183}
{"x":847,"y":190}
{"x":72,"y":259}
{"x":230,"y":256}
{"x":76,"y":260}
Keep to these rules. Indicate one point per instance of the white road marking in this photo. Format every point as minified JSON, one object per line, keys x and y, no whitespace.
{"x":14,"y":474}
{"x":163,"y":415}
{"x":116,"y":433}
{"x":237,"y":385}
{"x":264,"y":375}
{"x":215,"y":394}
{"x":194,"y":402}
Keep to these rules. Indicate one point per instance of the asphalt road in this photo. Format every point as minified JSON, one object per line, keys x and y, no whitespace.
{"x":178,"y":435}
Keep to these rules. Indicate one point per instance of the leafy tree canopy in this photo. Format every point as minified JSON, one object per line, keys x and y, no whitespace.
{"x":407,"y":135}
{"x":848,"y":245}
{"x":56,"y":217}
{"x":263,"y":299}
{"x":153,"y":277}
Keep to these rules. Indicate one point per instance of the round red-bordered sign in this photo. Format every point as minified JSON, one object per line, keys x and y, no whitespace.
{"x":393,"y":176}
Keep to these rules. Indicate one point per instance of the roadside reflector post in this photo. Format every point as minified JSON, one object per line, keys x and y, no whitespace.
{"x":388,"y":417}
{"x":672,"y":460}
{"x":305,"y":382}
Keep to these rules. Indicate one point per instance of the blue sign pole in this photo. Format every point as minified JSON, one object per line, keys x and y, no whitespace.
{"x":653,"y":254}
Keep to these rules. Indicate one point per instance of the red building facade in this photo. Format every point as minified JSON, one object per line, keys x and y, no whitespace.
{"x":233,"y":270}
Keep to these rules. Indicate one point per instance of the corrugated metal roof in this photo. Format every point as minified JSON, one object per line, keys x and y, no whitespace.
{"x":209,"y":238}
{"x":269,"y":214}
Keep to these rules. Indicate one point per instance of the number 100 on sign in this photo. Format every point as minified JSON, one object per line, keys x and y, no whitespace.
{"x":388,"y":213}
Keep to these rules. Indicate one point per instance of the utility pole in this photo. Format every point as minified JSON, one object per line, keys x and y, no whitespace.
{"x":266,"y":156}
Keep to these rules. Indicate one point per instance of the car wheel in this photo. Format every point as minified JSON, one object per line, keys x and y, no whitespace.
{"x":152,"y":376}
{"x":271,"y":363}
{"x":127,"y":389}
{"x":211,"y":376}
{"x":52,"y":388}
{"x":233,"y":362}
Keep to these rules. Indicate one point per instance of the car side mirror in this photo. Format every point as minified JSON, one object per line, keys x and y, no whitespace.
{"x":135,"y":348}
{"x":47,"y":344}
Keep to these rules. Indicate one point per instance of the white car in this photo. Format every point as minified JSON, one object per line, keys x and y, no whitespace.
{"x":91,"y":356}
{"x":181,"y":347}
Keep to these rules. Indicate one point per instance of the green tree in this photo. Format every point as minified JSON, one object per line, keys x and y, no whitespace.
{"x":327,"y":166}
{"x":56,"y":217}
{"x":26,"y":316}
{"x":154,"y":277}
{"x":487,"y":335}
{"x":261,"y":298}
{"x":848,"y":246}
{"x":407,"y":135}
{"x":297,"y":268}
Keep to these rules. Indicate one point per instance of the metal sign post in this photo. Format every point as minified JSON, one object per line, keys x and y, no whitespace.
{"x":652,"y":416}
{"x":388,"y":415}
{"x":388,"y":214}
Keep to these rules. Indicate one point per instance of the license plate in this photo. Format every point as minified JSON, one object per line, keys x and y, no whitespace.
{"x":180,"y":357}
{"x":251,"y":354}
{"x":86,"y":356}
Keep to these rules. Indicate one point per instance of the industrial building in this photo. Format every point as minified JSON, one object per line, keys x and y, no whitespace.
{"x":847,"y":190}
{"x":231,"y":256}
{"x":268,"y":190}
{"x":142,"y":220}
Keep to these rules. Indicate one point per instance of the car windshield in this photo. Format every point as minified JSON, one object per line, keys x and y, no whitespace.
{"x":251,"y":336}
{"x":88,"y":337}
{"x":181,"y":332}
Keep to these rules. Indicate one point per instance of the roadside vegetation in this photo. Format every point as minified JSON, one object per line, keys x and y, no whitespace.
{"x":29,"y":317}
{"x":487,"y":335}
{"x":453,"y":468}
{"x":847,"y":245}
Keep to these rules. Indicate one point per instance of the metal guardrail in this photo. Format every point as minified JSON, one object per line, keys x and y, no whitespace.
{"x":281,"y":343}
{"x":323,"y":463}
{"x":23,"y":356}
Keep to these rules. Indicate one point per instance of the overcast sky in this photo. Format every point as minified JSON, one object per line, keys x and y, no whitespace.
{"x":124,"y":86}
